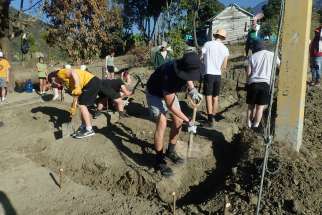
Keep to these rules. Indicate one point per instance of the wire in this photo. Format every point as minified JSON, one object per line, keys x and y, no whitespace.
{"x":268,"y":137}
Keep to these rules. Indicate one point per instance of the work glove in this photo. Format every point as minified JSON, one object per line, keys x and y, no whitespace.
{"x":195,"y":95}
{"x":77,"y":91}
{"x":192,"y":127}
{"x":72,"y":111}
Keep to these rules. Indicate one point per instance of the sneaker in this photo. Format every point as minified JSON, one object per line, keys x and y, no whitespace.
{"x":317,"y":83}
{"x":164,"y":169}
{"x":174,"y":157}
{"x":218,"y":117}
{"x":78,"y":131}
{"x":55,"y":97}
{"x":84,"y":133}
{"x":210,"y":124}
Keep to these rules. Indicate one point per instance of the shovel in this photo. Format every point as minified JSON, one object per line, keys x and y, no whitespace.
{"x":193,"y":120}
{"x":68,"y":128}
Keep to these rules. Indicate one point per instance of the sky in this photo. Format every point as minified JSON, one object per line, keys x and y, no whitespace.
{"x":243,"y":3}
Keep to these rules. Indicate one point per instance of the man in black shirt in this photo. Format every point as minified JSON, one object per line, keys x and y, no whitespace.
{"x":115,"y":90}
{"x":162,"y":86}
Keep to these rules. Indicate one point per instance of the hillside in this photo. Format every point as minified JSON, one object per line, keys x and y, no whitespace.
{"x":36,"y":32}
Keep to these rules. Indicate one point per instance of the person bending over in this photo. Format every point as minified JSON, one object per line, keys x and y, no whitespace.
{"x":162,"y":86}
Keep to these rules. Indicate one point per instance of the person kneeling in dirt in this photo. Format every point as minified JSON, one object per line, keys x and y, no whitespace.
{"x":162,"y":86}
{"x":258,"y":83}
{"x":85,"y":86}
{"x":114,"y":90}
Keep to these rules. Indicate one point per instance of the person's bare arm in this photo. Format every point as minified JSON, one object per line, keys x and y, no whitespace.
{"x":125,"y":91}
{"x":248,"y":71}
{"x":169,"y":100}
{"x":75,"y":76}
{"x":224,"y":65}
{"x":190,"y":85}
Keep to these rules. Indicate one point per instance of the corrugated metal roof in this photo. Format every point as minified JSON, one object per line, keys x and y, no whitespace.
{"x":237,"y":7}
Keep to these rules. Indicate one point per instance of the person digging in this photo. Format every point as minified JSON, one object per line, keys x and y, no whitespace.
{"x":85,"y":86}
{"x":162,"y":86}
{"x":114,"y":90}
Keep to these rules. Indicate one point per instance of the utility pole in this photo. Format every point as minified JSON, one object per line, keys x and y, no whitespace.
{"x":293,"y":73}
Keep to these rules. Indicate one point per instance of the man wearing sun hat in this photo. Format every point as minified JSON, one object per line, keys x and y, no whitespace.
{"x":162,"y":56}
{"x":162,"y":86}
{"x":215,"y":55}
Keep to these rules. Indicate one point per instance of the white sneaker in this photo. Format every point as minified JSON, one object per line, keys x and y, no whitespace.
{"x":55,"y":97}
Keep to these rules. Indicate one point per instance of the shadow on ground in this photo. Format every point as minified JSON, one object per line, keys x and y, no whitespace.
{"x":57,"y":117}
{"x":6,"y":204}
{"x":227,"y":155}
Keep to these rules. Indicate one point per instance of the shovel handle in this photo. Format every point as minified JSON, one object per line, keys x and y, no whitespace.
{"x":74,"y":104}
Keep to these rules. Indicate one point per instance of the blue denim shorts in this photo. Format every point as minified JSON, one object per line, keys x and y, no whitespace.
{"x":158,"y":106}
{"x":3,"y":82}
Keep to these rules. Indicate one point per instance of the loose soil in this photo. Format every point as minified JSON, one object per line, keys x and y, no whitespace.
{"x":112,"y":172}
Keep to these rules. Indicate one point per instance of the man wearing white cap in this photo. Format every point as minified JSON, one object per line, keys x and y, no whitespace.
{"x":215,"y":55}
{"x":4,"y":76}
{"x":162,"y":56}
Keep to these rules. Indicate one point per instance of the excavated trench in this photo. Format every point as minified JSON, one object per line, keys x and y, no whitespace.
{"x":119,"y":158}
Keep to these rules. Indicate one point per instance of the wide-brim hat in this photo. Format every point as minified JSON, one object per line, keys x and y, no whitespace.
{"x":189,"y":67}
{"x":221,"y":32}
{"x":164,"y":44}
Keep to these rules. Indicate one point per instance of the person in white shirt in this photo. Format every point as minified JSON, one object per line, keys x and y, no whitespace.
{"x":259,"y":72}
{"x":215,"y":55}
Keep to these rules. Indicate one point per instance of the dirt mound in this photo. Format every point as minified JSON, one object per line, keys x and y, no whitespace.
{"x":293,"y":183}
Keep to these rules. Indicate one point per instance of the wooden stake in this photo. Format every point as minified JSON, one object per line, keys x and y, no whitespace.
{"x":174,"y":203}
{"x":61,"y":170}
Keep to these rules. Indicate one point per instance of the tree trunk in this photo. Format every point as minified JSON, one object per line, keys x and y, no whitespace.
{"x":4,"y":37}
{"x":195,"y":29}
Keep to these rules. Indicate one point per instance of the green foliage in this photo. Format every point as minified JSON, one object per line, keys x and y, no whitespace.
{"x":83,"y":27}
{"x":177,"y":43}
{"x":271,"y":11}
{"x":141,"y":53}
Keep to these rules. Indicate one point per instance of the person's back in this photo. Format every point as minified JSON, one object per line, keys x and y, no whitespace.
{"x":261,"y":67}
{"x":214,"y":54}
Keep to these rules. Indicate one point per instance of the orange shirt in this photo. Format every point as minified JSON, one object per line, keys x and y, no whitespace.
{"x":4,"y":66}
{"x":84,"y":78}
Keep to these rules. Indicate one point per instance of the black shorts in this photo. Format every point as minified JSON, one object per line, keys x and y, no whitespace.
{"x":107,"y":91}
{"x":89,"y":92}
{"x":110,"y":69}
{"x":258,"y":94}
{"x":211,"y":85}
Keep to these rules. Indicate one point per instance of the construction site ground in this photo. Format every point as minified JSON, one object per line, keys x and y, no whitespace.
{"x":112,"y":172}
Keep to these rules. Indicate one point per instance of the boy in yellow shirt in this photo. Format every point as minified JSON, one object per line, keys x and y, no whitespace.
{"x":83,"y":85}
{"x":4,"y":76}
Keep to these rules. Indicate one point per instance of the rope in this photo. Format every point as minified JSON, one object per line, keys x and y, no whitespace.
{"x":268,"y":134}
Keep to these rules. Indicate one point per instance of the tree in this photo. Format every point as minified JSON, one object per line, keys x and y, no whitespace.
{"x":142,"y":14}
{"x":83,"y":27}
{"x":201,"y":11}
{"x":271,"y":12}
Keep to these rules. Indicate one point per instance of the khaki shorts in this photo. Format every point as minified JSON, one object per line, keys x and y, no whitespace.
{"x":158,"y":106}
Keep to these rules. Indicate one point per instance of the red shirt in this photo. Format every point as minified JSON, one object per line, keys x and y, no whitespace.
{"x":314,"y":46}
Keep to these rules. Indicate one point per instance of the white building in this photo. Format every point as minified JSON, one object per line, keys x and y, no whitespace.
{"x":234,"y":19}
